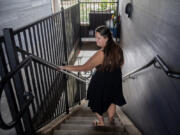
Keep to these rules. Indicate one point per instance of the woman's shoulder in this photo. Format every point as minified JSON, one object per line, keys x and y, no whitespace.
{"x":100,"y":52}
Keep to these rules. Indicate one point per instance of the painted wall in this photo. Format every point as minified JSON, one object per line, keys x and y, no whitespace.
{"x":17,"y":13}
{"x":153,"y":99}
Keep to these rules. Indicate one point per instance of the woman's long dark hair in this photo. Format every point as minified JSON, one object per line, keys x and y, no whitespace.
{"x":113,"y":54}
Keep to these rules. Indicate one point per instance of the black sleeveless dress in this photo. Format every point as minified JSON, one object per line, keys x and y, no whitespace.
{"x":104,"y":89}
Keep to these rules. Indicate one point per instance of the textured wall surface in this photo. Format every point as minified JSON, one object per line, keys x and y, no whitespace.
{"x":153,"y":101}
{"x":17,"y":13}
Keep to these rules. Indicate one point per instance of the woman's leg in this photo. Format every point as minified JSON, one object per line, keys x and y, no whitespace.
{"x":100,"y":120}
{"x":111,"y":112}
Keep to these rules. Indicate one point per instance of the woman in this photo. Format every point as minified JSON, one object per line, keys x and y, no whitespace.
{"x":105,"y":88}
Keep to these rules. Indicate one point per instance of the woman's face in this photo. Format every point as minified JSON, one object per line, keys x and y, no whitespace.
{"x":100,"y":40}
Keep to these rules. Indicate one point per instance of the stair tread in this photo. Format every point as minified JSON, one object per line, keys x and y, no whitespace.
{"x":90,"y":124}
{"x":83,"y":132}
{"x":86,"y":118}
{"x":90,"y":127}
{"x":89,"y":114}
{"x":89,"y":121}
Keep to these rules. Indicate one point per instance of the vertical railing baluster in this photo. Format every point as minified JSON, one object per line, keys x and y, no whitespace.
{"x":66,"y":95}
{"x":48,"y":74}
{"x":35,"y":94}
{"x":57,"y":94}
{"x":58,"y":54}
{"x":41,"y":69}
{"x":35,"y":87}
{"x":52,"y":38}
{"x":32,"y":71}
{"x":51,"y":57}
{"x":43,"y":55}
{"x":59,"y":39}
{"x":44,"y":73}
{"x":54,"y":55}
{"x":78,"y":87}
{"x":63,"y":103}
{"x":62,"y":44}
{"x":56,"y":38}
{"x":37,"y":73}
{"x":66,"y":59}
{"x":45,"y":51}
{"x":26,"y":69}
{"x":52,"y":44}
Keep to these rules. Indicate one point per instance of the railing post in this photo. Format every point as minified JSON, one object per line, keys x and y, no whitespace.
{"x":64,"y":36}
{"x":80,"y":42}
{"x":19,"y":87}
{"x":66,"y":57}
{"x":66,"y":93}
{"x":79,"y":88}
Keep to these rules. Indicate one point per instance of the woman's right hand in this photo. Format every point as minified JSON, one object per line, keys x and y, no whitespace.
{"x":63,"y":68}
{"x":60,"y":68}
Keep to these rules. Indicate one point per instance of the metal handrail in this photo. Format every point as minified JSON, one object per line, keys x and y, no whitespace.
{"x":24,"y":63}
{"x":53,"y":66}
{"x":162,"y":65}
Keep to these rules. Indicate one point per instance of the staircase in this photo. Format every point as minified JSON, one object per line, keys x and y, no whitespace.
{"x":81,"y":123}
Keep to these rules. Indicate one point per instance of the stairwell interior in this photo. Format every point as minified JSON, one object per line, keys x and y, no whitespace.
{"x":35,"y":39}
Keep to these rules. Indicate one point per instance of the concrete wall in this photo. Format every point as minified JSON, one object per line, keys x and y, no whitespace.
{"x":152,"y":98}
{"x":17,"y":13}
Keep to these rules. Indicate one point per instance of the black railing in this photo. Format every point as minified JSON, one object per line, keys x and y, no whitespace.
{"x":23,"y":64}
{"x":72,"y":27}
{"x":154,"y":61}
{"x":50,"y":39}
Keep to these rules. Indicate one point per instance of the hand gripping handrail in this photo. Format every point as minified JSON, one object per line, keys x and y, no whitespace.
{"x":24,"y":63}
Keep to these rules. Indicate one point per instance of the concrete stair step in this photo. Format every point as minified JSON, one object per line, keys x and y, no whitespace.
{"x":81,"y":118}
{"x":90,"y":121}
{"x":87,"y":118}
{"x":85,"y":111}
{"x":90,"y":127}
{"x":89,"y":114}
{"x":85,"y":114}
{"x":82,"y":132}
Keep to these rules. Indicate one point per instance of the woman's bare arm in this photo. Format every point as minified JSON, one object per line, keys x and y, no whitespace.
{"x":94,"y":61}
